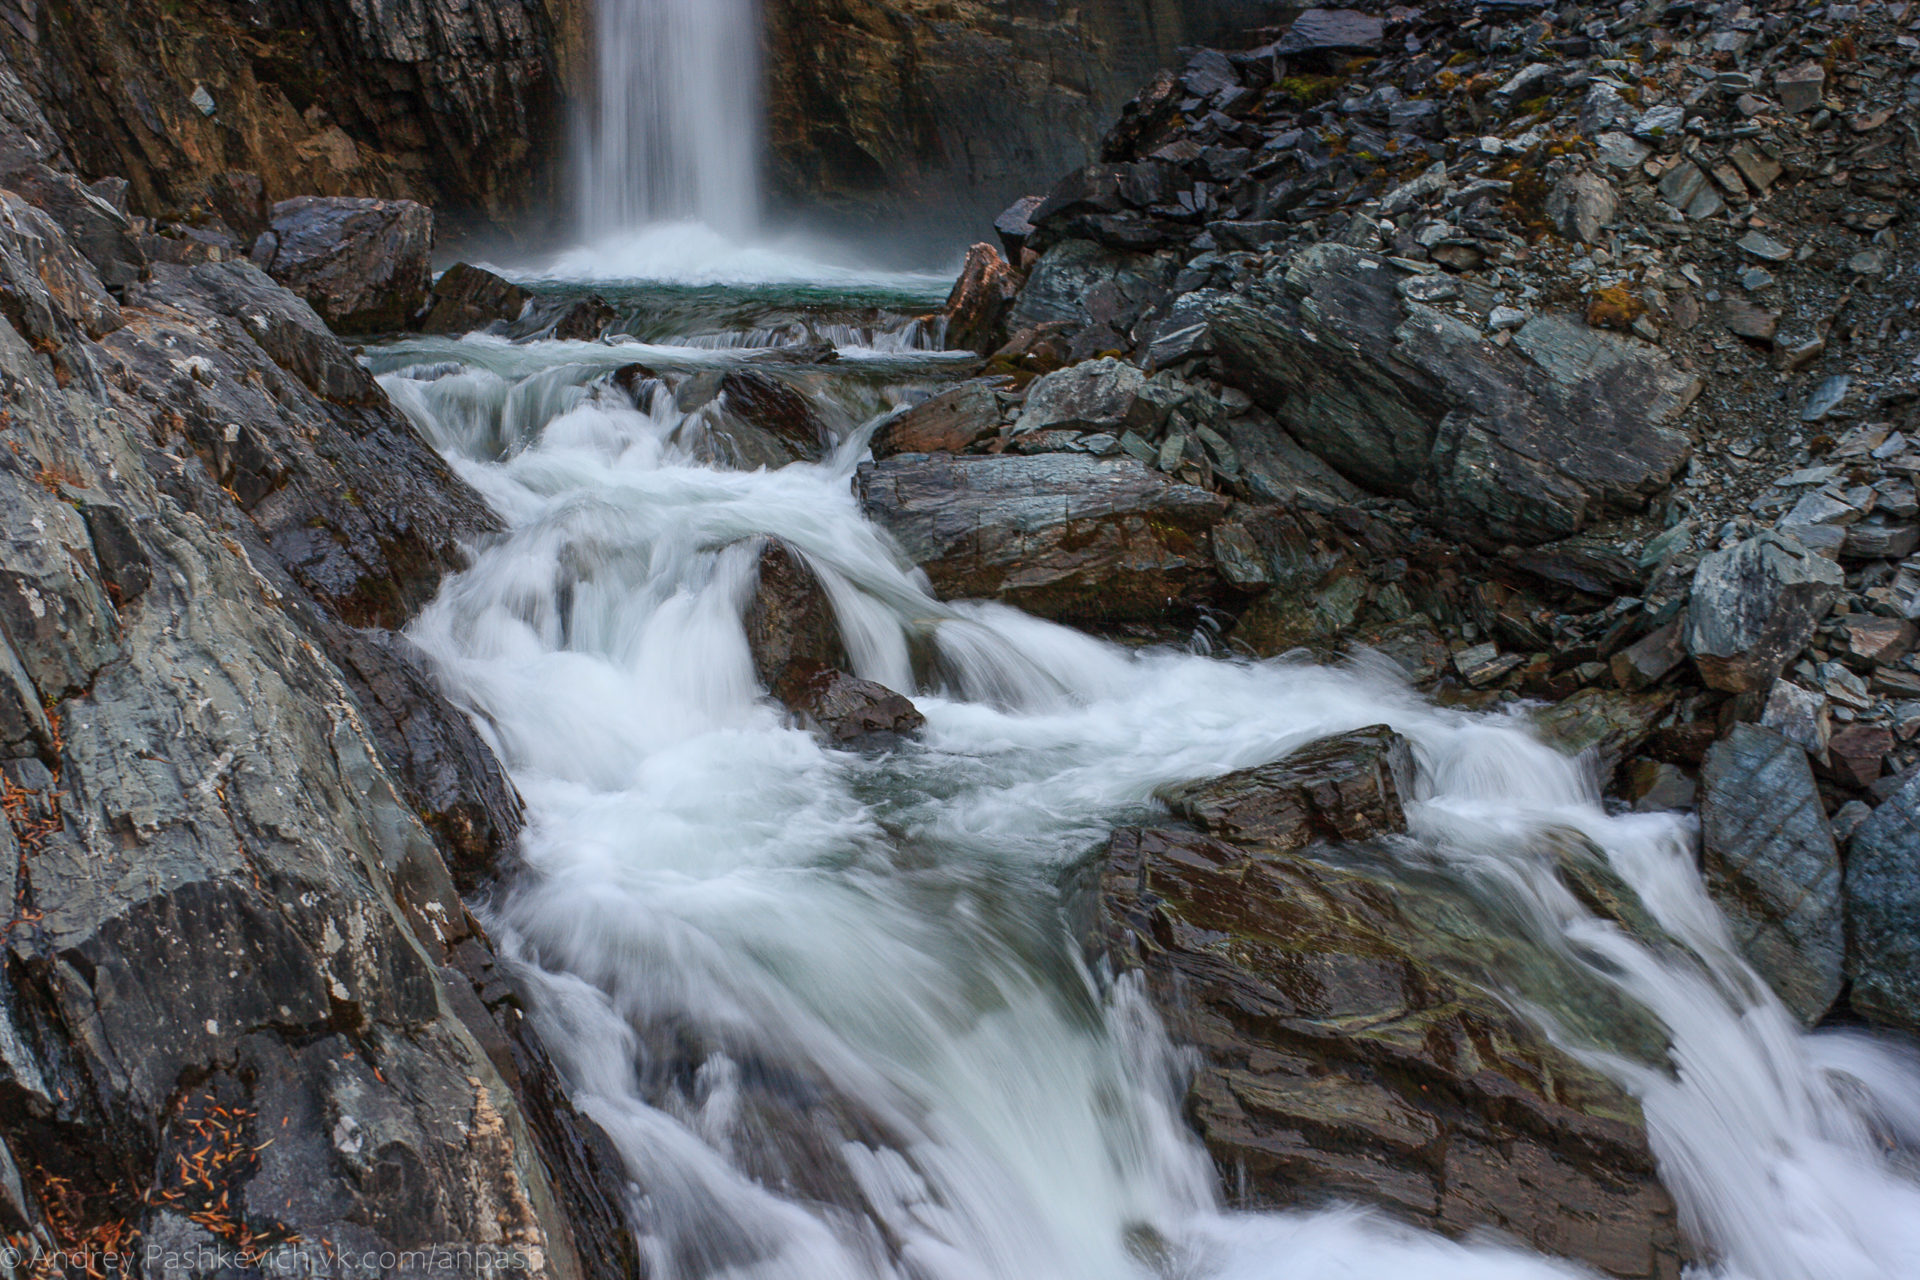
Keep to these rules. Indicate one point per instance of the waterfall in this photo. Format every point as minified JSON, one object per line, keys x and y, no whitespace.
{"x":824,"y":1003}
{"x":674,"y":132}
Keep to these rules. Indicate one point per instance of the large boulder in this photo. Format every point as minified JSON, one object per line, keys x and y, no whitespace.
{"x":1772,"y":867}
{"x":1065,"y":536}
{"x":1525,"y":443}
{"x":1349,"y":1012}
{"x":1755,"y":606}
{"x":1883,"y":912}
{"x":365,"y":265}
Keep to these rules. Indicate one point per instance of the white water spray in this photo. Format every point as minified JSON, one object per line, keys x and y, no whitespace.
{"x":826,"y":1004}
{"x":674,"y":133}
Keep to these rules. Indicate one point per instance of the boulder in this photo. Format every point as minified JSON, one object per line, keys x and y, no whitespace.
{"x":1771,"y":865}
{"x":564,"y":318}
{"x":1755,"y":606}
{"x":1015,"y":226}
{"x":846,"y":710}
{"x":1581,"y":205}
{"x":1331,"y":31}
{"x":1062,"y":535}
{"x":1096,"y":395}
{"x":790,"y":622}
{"x":976,"y":310}
{"x":769,"y":404}
{"x":952,"y":422}
{"x":466,"y":298}
{"x":1522,"y":444}
{"x":1883,"y":912}
{"x":365,"y":265}
{"x":1352,"y":1037}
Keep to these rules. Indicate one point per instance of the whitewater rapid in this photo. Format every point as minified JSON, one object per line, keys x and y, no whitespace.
{"x":710,"y":900}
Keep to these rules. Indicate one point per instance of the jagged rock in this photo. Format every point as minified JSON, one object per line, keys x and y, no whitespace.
{"x":466,"y":298}
{"x":1883,"y":912}
{"x":1015,"y":226}
{"x":1857,"y":755}
{"x":364,"y":265}
{"x":1524,"y":444}
{"x":1800,"y":88}
{"x":1097,"y":291}
{"x":977,"y":308}
{"x":1610,"y":725}
{"x":1755,"y":607}
{"x":952,"y":422}
{"x":564,"y":318}
{"x":1096,"y":395}
{"x":1349,"y":787}
{"x":1772,"y":868}
{"x":102,"y":233}
{"x":1065,"y":536}
{"x":1446,"y":1109}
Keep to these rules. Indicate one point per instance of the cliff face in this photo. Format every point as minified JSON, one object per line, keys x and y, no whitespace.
{"x":456,"y":105}
{"x":954,"y":108}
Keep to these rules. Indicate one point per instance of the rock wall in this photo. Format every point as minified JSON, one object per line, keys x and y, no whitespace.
{"x":459,"y":106}
{"x":950,"y":109}
{"x":242,"y":1004}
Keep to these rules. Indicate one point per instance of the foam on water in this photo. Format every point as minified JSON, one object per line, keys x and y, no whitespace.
{"x":887,"y":933}
{"x":700,"y":252}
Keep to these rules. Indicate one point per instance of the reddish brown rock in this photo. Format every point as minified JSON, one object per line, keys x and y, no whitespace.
{"x":977,"y":308}
{"x":1857,"y":755}
{"x":954,"y":421}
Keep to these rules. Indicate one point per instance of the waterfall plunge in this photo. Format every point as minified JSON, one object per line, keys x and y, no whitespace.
{"x":674,"y":135}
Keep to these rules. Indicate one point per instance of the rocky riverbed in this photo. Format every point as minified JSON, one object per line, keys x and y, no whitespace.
{"x":1557,"y":359}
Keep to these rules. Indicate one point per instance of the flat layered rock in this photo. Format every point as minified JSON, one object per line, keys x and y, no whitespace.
{"x":1353,"y":1045}
{"x":1065,"y":536}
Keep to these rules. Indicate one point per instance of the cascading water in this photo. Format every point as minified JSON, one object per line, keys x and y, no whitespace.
{"x":827,"y":1005}
{"x":674,"y":132}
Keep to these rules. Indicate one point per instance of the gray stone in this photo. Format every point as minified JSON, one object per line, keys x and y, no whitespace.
{"x":1523,"y":444}
{"x":1582,"y":205}
{"x":1331,"y":31}
{"x":1095,"y":395}
{"x":1771,"y":866}
{"x":1763,"y":246}
{"x":1883,"y":912}
{"x":1660,"y":122}
{"x":1800,"y":88}
{"x":1755,"y":607}
{"x":1800,"y":716}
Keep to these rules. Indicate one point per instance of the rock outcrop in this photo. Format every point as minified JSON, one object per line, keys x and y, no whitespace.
{"x":1269,"y":938}
{"x":460,"y":107}
{"x":244,"y":1004}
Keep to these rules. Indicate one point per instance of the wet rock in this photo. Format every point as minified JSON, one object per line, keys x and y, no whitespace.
{"x":790,"y":623}
{"x":848,"y":711}
{"x":768,"y":404}
{"x":1883,"y":912}
{"x":466,"y":298}
{"x":564,"y":319}
{"x":1772,"y":868}
{"x":1096,"y":395}
{"x":1611,"y":725}
{"x":1065,"y":536}
{"x":1521,"y":444}
{"x":977,"y":308}
{"x":1755,"y":606}
{"x":364,"y":265}
{"x":1344,"y":788}
{"x":1446,"y":1110}
{"x":952,"y":422}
